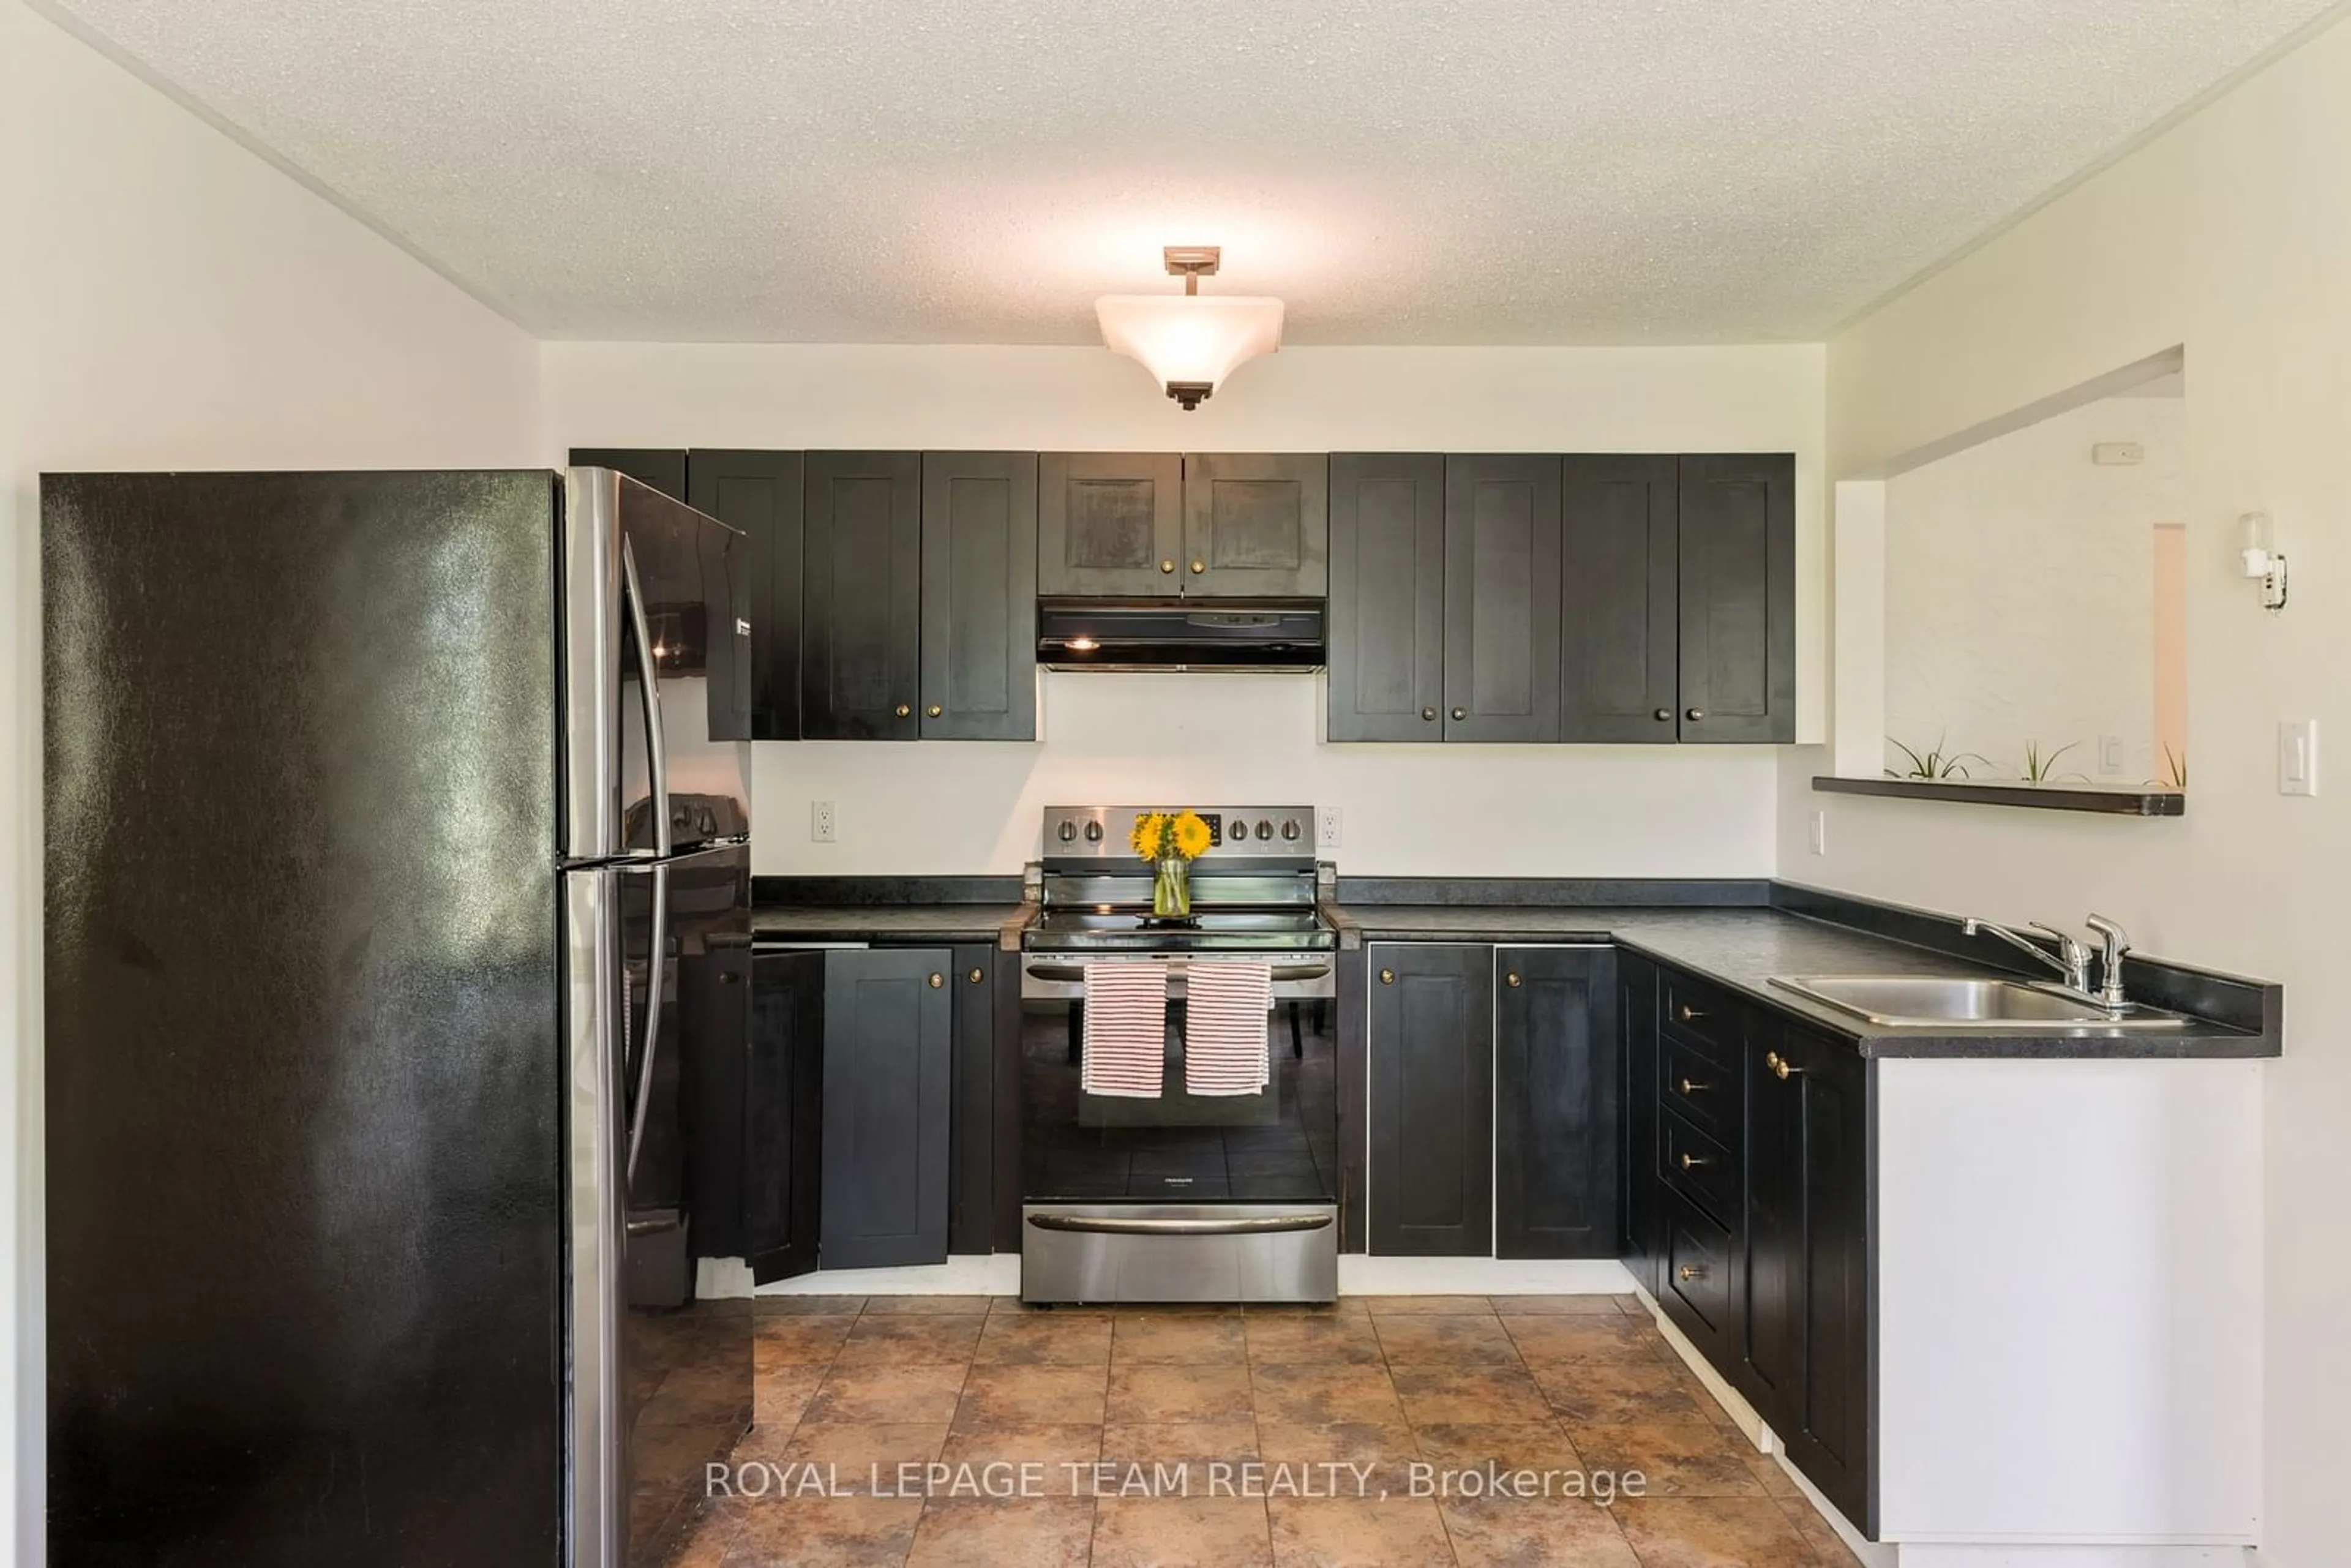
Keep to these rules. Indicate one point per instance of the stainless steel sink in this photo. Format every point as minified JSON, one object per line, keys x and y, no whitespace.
{"x":1994,"y":1006}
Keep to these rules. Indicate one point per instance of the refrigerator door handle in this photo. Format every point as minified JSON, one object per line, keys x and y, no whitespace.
{"x":649,"y":672}
{"x":595,"y":1477}
{"x":656,"y":973}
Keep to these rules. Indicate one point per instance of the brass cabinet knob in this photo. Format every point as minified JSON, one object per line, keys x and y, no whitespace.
{"x":904,"y":710}
{"x":1691,"y":1162}
{"x":1198,"y":567}
{"x":937,"y":981}
{"x":1387,"y":976}
{"x":1687,"y":1087}
{"x":1689,"y":1014}
{"x":934,"y":710}
{"x":1510,"y":980}
{"x":1778,"y":1064}
{"x":1694,"y":713}
{"x":974,"y":976}
{"x":1664,"y":716}
{"x":1461,"y":713}
{"x":1690,"y":1272}
{"x":1167,"y":566}
{"x":1429,"y":714}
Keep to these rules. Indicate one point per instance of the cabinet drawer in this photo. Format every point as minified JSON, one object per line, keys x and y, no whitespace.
{"x":1698,"y":1265}
{"x":1700,"y":1013}
{"x":1696,"y":1167}
{"x":1694,"y":1084}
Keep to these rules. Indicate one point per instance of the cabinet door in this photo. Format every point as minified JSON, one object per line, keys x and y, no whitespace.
{"x":1257,"y":524}
{"x":1556,"y":1107}
{"x":888,"y":1066}
{"x":1429,"y":1187}
{"x":1501,"y":599}
{"x":663,"y":468}
{"x":1636,"y":1016}
{"x":1619,"y":523}
{"x":862,"y":596}
{"x":1110,"y":525}
{"x":1387,"y":596}
{"x":1828,"y":1431}
{"x":1737,"y":545}
{"x":979,"y":596}
{"x":971,"y":1180}
{"x":760,"y":493}
{"x":783,"y":1115}
{"x":1770,"y":1336}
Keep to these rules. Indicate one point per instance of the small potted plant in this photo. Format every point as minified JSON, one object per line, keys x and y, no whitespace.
{"x":1169,"y":841}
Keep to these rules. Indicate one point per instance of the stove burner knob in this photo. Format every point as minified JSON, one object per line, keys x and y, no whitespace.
{"x":1093,"y":832}
{"x":1068,"y":832}
{"x":1264,"y":828}
{"x":1290,"y":830}
{"x":1240,"y":830}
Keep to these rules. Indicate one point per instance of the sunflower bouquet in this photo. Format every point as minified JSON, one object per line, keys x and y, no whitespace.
{"x":1170,"y":841}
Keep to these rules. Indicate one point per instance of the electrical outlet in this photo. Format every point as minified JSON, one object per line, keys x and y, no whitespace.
{"x":2298,"y":756}
{"x":1327,"y":823}
{"x":820,"y":823}
{"x":1820,"y":832}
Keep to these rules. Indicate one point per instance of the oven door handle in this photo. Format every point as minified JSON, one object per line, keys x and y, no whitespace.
{"x":1241,"y":1225}
{"x":1283,"y":974}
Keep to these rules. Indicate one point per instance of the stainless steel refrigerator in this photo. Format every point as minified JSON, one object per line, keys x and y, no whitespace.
{"x":397,"y":933}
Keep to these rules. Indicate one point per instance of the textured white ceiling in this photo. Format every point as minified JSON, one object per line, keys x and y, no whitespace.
{"x":942,"y":171}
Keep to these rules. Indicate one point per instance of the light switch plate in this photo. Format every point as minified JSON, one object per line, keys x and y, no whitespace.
{"x":1820,"y":832}
{"x":2298,"y":756}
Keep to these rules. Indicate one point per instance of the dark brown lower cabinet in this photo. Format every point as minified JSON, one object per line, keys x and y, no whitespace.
{"x":1429,"y":1049}
{"x":1636,"y":1024}
{"x":783,"y":1112}
{"x":1556,"y":1116}
{"x":971,"y":1184}
{"x":888,"y":1074}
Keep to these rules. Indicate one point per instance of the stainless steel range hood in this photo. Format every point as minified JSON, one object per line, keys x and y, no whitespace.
{"x":1179,"y":634}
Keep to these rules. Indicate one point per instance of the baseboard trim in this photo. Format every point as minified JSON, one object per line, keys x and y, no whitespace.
{"x":1360,"y":1275}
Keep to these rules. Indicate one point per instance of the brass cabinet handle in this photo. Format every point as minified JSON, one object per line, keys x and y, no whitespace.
{"x":1428,"y":713}
{"x":1691,"y":1162}
{"x":937,"y":981}
{"x":1167,"y":566}
{"x":1694,"y":713}
{"x":1664,"y":716}
{"x":1689,"y":1088}
{"x":904,"y":710}
{"x":1198,"y":567}
{"x":1510,"y":980}
{"x":974,"y":976}
{"x":1461,"y":713}
{"x":1689,"y":1014}
{"x":1778,"y":1064}
{"x":1690,"y":1272}
{"x":934,"y":710}
{"x":1387,"y":976}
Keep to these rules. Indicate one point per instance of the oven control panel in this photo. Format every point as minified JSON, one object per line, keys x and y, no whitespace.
{"x":1100,"y":833}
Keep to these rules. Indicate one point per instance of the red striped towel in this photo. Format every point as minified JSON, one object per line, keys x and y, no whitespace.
{"x":1224,"y":1028}
{"x":1126,"y":1030}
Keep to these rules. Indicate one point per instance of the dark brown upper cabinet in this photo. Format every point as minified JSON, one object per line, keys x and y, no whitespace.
{"x":1619,"y":641}
{"x":861,"y":597}
{"x":1387,"y":596}
{"x":1257,"y":525}
{"x":979,"y":596}
{"x":1501,"y":598}
{"x":1737,"y":569}
{"x":1110,"y":525}
{"x":662,"y":468}
{"x":760,"y":494}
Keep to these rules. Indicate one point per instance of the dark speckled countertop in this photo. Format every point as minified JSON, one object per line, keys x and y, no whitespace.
{"x":776,"y":925}
{"x":1743,"y":948}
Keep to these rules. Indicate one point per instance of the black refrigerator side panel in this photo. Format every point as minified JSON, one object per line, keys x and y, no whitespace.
{"x":303,"y":1053}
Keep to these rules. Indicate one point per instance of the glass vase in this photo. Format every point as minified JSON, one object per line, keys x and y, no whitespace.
{"x":1171,"y":889}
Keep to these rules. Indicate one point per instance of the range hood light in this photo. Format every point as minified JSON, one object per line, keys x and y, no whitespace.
{"x":1189,"y":342}
{"x":1082,"y":644}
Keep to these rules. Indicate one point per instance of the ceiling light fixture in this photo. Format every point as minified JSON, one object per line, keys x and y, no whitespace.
{"x":1190,"y":342}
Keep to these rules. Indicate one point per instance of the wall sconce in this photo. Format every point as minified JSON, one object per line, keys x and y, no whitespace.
{"x":1190,"y":342}
{"x":2261,"y":561}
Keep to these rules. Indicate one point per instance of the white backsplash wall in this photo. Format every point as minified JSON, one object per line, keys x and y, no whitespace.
{"x":959,"y":807}
{"x":1412,"y":810}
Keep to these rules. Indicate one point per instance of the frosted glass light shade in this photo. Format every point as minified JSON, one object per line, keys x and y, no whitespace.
{"x":1190,"y":340}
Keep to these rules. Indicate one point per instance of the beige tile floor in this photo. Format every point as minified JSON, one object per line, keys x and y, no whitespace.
{"x":1572,"y":1385}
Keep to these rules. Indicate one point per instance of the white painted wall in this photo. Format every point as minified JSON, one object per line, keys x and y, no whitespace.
{"x":2020,"y":592}
{"x":2231,"y":234}
{"x":961,"y":807}
{"x":169,"y":299}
